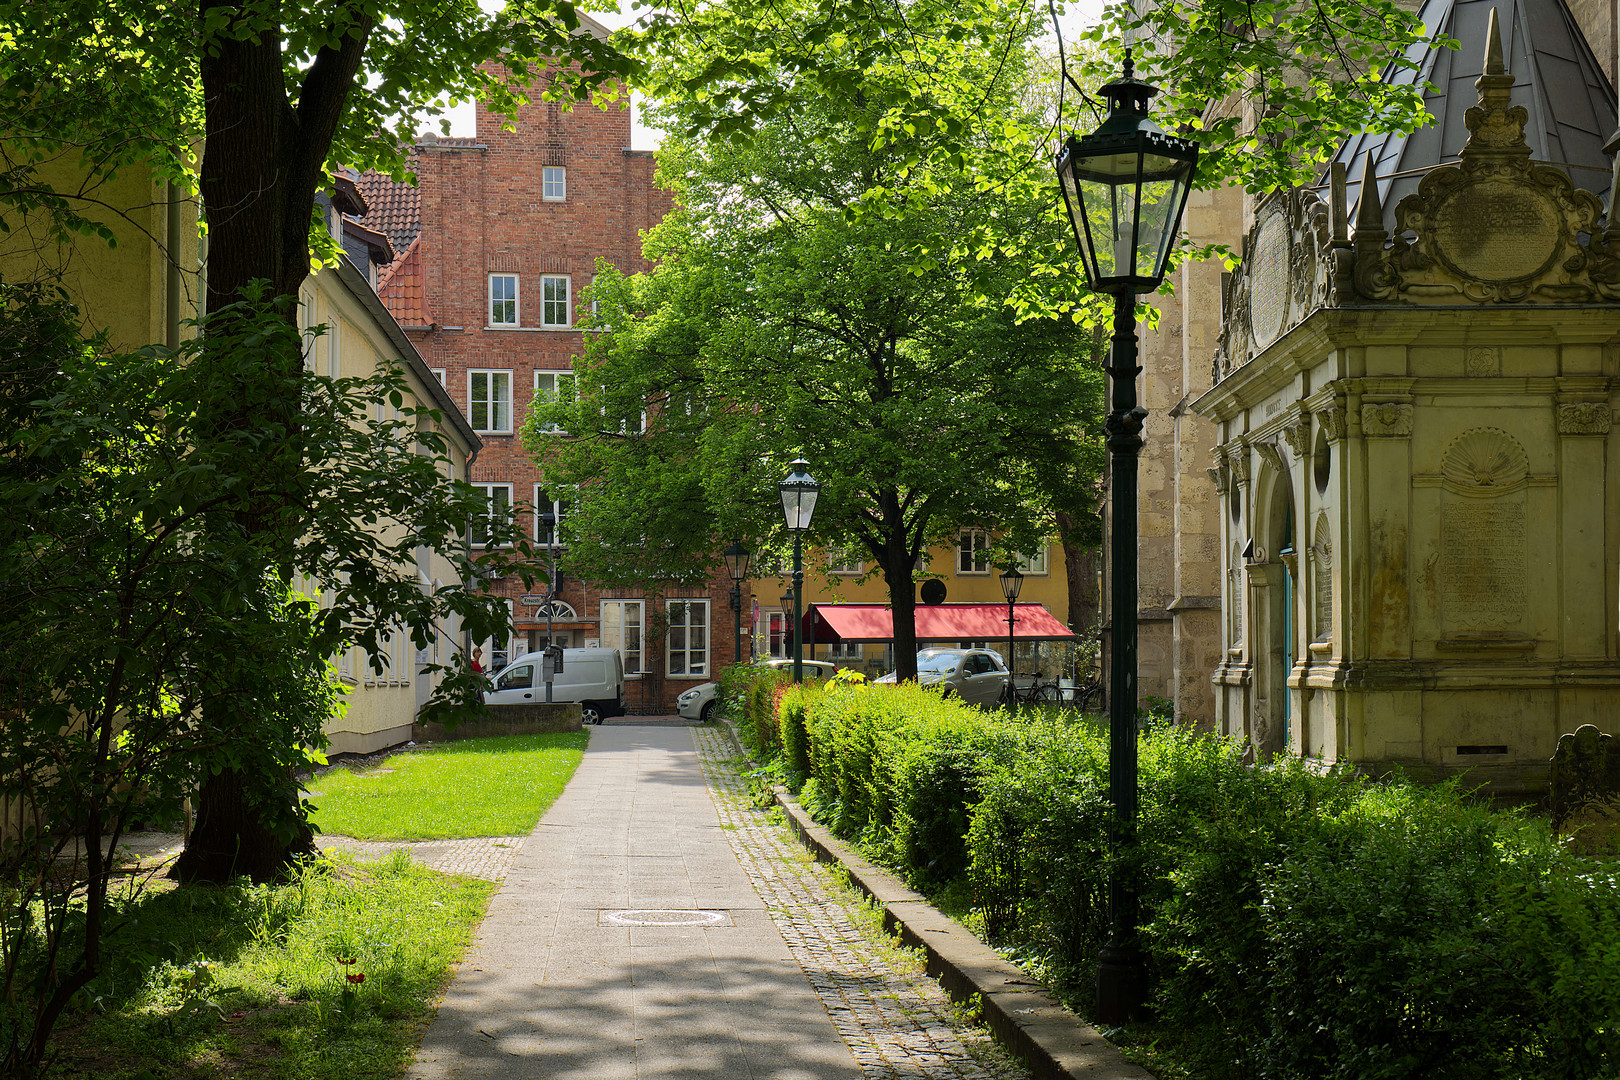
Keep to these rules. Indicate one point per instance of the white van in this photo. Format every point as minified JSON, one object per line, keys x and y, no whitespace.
{"x":592,"y":677}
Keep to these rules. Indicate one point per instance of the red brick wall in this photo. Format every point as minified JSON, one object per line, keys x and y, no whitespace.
{"x":483,"y":212}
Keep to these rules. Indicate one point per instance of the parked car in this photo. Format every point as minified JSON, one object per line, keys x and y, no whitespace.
{"x":698,"y":702}
{"x":977,"y":676}
{"x":592,"y":677}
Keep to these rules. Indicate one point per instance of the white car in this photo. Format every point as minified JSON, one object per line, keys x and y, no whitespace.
{"x":698,"y":702}
{"x":977,"y":676}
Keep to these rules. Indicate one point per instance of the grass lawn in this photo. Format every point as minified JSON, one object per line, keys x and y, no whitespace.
{"x":250,"y":981}
{"x":475,"y":787}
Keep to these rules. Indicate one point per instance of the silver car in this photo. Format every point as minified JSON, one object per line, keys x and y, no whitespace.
{"x":698,"y":702}
{"x":977,"y":676}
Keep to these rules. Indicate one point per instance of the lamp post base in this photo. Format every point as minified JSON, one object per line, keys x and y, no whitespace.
{"x":1121,"y":983}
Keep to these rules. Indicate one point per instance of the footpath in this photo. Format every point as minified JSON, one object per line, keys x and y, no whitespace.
{"x":648,"y":929}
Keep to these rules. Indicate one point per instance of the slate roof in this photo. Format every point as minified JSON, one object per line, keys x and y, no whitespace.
{"x":394,"y":209}
{"x":400,"y":287}
{"x":1570,"y":101}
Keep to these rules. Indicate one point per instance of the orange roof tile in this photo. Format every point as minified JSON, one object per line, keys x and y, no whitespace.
{"x":400,"y":287}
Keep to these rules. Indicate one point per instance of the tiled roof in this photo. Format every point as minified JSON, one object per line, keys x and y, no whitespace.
{"x":400,"y":287}
{"x":1570,"y":101}
{"x":395,"y":209}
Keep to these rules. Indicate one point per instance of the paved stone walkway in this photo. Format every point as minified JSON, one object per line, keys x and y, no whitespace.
{"x":897,"y":1021}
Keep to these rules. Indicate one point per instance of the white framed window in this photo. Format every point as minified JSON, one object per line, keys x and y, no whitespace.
{"x":498,"y":497}
{"x":1034,"y":563}
{"x":623,"y":623}
{"x":548,"y":536}
{"x":503,"y":300}
{"x":334,"y":349}
{"x":489,"y":401}
{"x":779,"y":633}
{"x":553,"y":183}
{"x":438,"y":373}
{"x":973,"y":552}
{"x":842,"y":650}
{"x":688,"y":637}
{"x":844,"y":560}
{"x":554,"y":300}
{"x":553,"y":386}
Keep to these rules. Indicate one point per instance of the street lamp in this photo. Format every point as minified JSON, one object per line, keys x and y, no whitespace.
{"x":1125,"y":186}
{"x":736,"y":559}
{"x":798,"y":493}
{"x":1011,"y":582}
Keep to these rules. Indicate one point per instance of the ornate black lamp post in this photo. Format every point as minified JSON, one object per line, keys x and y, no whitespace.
{"x":1125,"y":186}
{"x":736,"y":559}
{"x":1011,"y":582}
{"x":798,"y":493}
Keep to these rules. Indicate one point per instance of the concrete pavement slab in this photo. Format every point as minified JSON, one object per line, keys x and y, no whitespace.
{"x":553,"y":988}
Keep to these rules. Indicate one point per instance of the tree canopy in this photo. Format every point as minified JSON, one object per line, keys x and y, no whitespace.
{"x":824,"y":287}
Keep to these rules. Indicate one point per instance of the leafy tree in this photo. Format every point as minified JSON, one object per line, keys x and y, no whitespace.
{"x":1268,"y":88}
{"x":273,"y":95}
{"x":826,"y":287}
{"x":151,"y":640}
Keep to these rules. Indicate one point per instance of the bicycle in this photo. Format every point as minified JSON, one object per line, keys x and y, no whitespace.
{"x":1089,"y":697}
{"x":1037,"y":693}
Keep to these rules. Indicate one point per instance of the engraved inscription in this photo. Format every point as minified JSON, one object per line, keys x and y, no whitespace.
{"x":1496,"y":231}
{"x":1483,"y":567}
{"x":1268,"y":288}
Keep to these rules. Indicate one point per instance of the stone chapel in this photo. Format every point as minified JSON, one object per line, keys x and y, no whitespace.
{"x":1408,"y":551}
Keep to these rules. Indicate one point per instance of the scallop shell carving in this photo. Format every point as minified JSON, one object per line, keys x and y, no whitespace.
{"x":1486,"y":461}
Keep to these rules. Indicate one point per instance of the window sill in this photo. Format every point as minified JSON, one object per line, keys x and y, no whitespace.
{"x":508,"y":431}
{"x":529,"y":329}
{"x":691,"y":678}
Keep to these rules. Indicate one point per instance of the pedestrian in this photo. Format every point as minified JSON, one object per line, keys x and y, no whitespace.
{"x":478,"y":651}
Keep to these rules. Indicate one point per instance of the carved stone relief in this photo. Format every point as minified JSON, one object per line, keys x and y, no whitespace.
{"x":1271,"y":455}
{"x":1284,"y":276}
{"x":1332,"y":421}
{"x":1482,"y":360}
{"x":1386,"y":419}
{"x":1493,"y":228}
{"x":1584,"y":418}
{"x":1299,"y":438}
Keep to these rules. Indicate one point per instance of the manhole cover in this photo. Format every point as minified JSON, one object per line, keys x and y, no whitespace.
{"x":665,"y":917}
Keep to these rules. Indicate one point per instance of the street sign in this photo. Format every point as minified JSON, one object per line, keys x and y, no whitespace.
{"x":533,"y":598}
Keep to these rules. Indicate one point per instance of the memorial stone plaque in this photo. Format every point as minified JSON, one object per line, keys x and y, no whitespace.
{"x":1497,"y":231}
{"x":1268,"y":288}
{"x":1484,"y":567}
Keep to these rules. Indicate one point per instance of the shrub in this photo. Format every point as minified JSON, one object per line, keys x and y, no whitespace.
{"x":1298,"y":923}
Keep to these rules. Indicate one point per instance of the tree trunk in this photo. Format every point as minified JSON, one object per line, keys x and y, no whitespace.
{"x":1080,"y":563}
{"x":263,"y":162}
{"x":230,"y":839}
{"x":897,"y":564}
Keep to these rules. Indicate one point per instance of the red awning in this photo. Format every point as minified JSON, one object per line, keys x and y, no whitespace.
{"x":829,"y":624}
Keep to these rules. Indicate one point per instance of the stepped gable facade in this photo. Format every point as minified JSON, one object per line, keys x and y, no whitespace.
{"x":496,"y":248}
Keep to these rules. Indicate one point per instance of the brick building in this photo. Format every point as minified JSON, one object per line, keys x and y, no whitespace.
{"x":498,"y":244}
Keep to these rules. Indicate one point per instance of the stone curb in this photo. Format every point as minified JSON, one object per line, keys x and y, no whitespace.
{"x":1051,"y":1040}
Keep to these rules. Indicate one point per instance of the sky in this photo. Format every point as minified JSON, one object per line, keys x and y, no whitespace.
{"x":1076,"y":14}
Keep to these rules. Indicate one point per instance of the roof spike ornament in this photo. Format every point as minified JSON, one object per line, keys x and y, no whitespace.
{"x":1495,"y":126}
{"x":1369,"y":214}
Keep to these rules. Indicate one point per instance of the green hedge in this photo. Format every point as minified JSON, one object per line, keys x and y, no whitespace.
{"x":1297,"y":925}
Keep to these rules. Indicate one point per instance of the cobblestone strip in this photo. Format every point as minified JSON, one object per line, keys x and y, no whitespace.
{"x":897,"y":1021}
{"x":486,"y":857}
